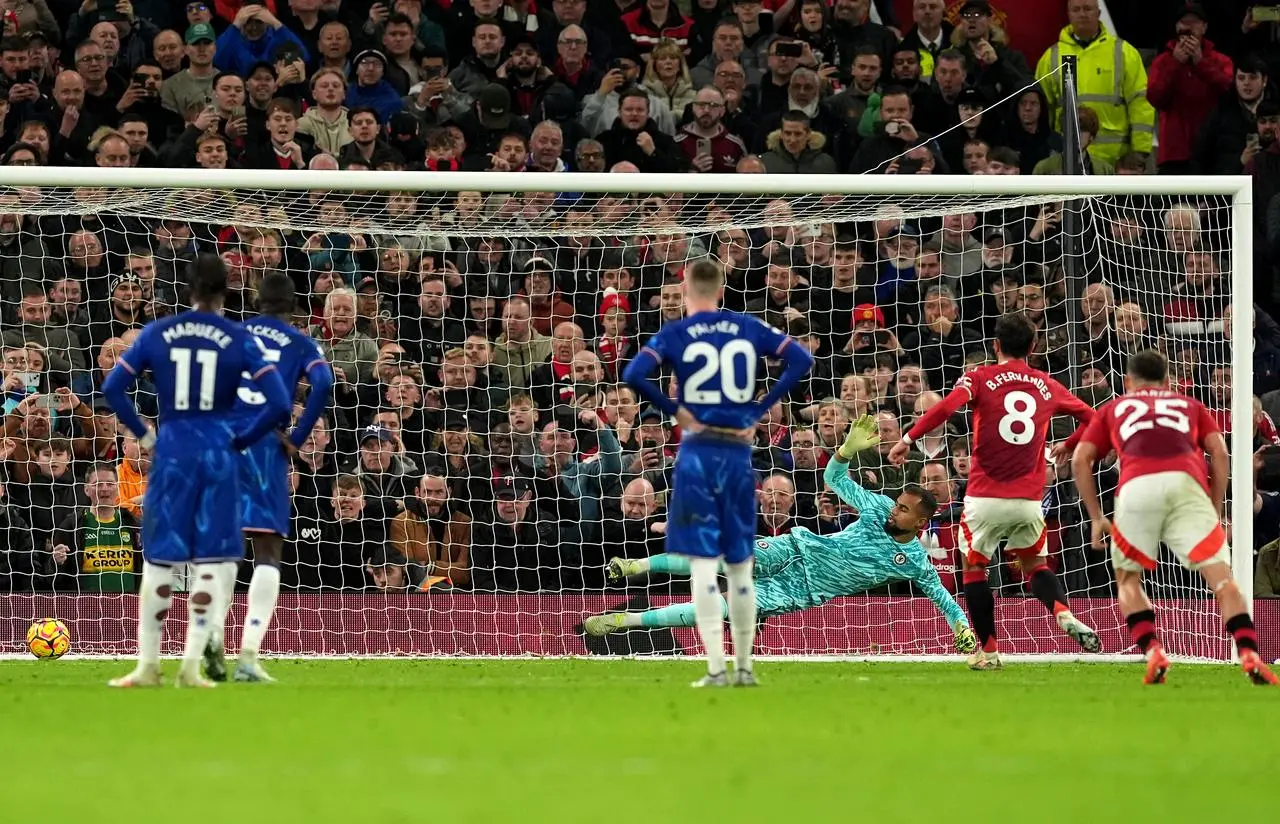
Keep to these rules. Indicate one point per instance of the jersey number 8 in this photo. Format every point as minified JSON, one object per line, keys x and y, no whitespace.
{"x":737,"y":386}
{"x":1018,"y":426}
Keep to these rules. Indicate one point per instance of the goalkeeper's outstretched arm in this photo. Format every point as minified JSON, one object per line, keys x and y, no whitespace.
{"x":863,"y":434}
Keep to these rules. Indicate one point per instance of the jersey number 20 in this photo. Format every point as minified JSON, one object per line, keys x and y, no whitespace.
{"x":734,"y":363}
{"x":207,"y":361}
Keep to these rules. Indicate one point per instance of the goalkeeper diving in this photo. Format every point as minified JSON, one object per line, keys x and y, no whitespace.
{"x":801,"y":569}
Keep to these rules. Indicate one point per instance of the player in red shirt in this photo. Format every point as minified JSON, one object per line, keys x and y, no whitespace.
{"x":1012,"y":407}
{"x":1164,"y":497}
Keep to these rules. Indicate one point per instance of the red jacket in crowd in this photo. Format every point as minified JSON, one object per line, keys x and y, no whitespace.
{"x":645,"y":34}
{"x":1185,"y":94}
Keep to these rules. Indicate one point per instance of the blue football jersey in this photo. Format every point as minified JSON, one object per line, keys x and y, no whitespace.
{"x":292,"y":352}
{"x":196,"y":360}
{"x":716,"y":358}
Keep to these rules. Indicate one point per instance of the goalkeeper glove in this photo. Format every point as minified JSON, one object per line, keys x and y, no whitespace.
{"x":863,"y":434}
{"x":966,"y":641}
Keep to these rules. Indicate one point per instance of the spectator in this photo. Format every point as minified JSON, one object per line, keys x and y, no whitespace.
{"x":348,"y":532}
{"x":167,"y":50}
{"x":256,"y":34}
{"x":326,"y":123}
{"x":286,"y":148}
{"x":895,"y":137}
{"x":666,"y":78}
{"x":813,"y":29}
{"x":853,"y":27}
{"x":872,"y":465}
{"x":578,"y":65}
{"x":480,"y":69}
{"x":36,"y":325}
{"x":518,"y":552}
{"x":637,"y":527}
{"x":636,"y":138}
{"x":520,"y":349}
{"x":334,"y":47}
{"x":777,"y":499}
{"x":1186,"y":81}
{"x":728,"y":45}
{"x":993,"y":67}
{"x":655,"y":21}
{"x":1029,"y":132}
{"x":796,"y":149}
{"x":17,"y":559}
{"x":390,"y":572}
{"x":193,"y":85}
{"x":1222,"y":142}
{"x":1087,"y":121}
{"x":371,"y":88}
{"x":1111,"y":80}
{"x":931,"y":33}
{"x":706,"y":144}
{"x":49,"y":495}
{"x":601,"y":109}
{"x":568,"y":19}
{"x":942,"y":342}
{"x":433,"y":532}
{"x":351,"y":353}
{"x":98,"y":548}
{"x":529,"y":82}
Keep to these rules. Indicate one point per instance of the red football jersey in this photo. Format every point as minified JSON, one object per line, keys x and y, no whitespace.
{"x":1012,"y":406}
{"x":1154,"y":430}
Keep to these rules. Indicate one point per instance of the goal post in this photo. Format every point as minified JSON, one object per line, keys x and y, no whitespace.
{"x":372,"y":231}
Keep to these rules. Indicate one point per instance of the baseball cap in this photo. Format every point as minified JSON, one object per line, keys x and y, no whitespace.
{"x":510,"y":488}
{"x":972,"y":97}
{"x":995,"y":234}
{"x":200,"y":33}
{"x":980,"y":6}
{"x":495,"y":106}
{"x":374,"y":431}
{"x":904,"y":230}
{"x":652,"y":413}
{"x":1267,"y":108}
{"x":1193,"y":9}
{"x":455,"y":422}
{"x":367,"y":283}
{"x":864,"y":312}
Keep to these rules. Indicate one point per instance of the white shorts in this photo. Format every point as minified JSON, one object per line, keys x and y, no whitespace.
{"x":988,"y":521}
{"x":1169,"y":508}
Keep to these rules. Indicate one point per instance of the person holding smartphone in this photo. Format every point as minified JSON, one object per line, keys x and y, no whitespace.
{"x":705,"y":142}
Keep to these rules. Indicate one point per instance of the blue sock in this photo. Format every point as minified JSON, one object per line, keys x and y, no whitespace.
{"x":676,"y":615}
{"x":671,"y":564}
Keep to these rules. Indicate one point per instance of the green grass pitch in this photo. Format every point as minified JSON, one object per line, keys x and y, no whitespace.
{"x":560,"y":741}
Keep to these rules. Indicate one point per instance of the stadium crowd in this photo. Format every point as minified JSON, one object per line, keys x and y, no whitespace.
{"x":479,"y":438}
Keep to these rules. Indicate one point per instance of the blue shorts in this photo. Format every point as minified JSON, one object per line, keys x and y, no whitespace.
{"x":190,"y":512}
{"x":263,"y":471}
{"x":713,"y":501}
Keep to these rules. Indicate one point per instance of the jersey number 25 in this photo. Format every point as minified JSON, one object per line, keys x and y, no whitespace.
{"x":734,"y":363}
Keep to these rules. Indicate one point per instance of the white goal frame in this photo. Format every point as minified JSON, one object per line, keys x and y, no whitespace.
{"x":1237,"y":188}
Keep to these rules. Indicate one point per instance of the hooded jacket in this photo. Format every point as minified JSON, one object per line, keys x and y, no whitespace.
{"x":812,"y":160}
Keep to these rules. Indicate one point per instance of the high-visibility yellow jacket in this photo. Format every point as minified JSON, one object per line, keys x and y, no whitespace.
{"x":1112,"y":81}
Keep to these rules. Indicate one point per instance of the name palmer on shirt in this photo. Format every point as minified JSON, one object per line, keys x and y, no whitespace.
{"x":195,"y":329}
{"x":1000,"y":379}
{"x":697,"y":330}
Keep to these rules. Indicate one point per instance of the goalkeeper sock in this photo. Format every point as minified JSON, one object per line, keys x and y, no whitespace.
{"x":982,"y":607}
{"x":153,"y":609}
{"x":707,"y":611}
{"x":264,"y":588}
{"x":1142,"y":628}
{"x":742,"y":613}
{"x":1048,"y":590}
{"x":225,"y":577}
{"x":670,"y":564}
{"x":1241,"y":629}
{"x":202,"y":602}
{"x":676,"y":615}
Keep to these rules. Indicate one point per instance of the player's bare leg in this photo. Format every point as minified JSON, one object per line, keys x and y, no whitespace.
{"x":1235,"y":616}
{"x":264,"y":590}
{"x":156,"y":596}
{"x":1048,"y":590}
{"x":1141,"y":619}
{"x":982,"y":614}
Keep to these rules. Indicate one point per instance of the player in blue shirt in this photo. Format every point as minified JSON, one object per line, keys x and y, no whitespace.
{"x":189,"y":509}
{"x":715,"y":355}
{"x":264,"y":472}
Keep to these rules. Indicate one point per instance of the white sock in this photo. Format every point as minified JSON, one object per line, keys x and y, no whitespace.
{"x":742,"y":612}
{"x":707,"y":611}
{"x":202,"y":611}
{"x":264,"y":588}
{"x":225,"y":574}
{"x":153,"y":608}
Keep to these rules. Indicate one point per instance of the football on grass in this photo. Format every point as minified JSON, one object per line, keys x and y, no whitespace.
{"x":48,"y":638}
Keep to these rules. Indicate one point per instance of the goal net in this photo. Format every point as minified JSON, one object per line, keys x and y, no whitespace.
{"x":481,"y":462}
